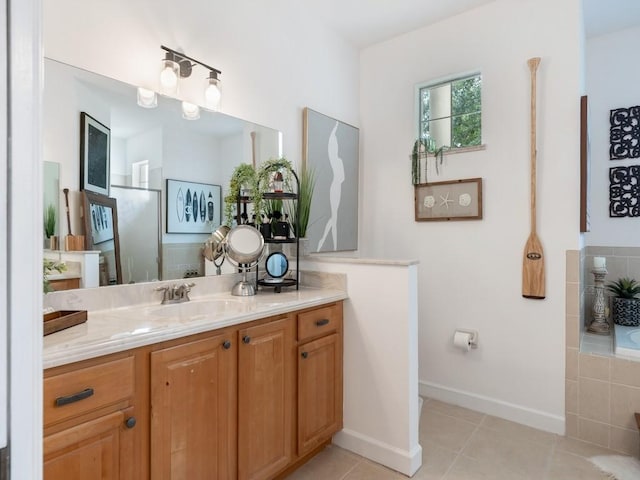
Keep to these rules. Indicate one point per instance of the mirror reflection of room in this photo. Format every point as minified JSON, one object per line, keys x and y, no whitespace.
{"x":147,"y":147}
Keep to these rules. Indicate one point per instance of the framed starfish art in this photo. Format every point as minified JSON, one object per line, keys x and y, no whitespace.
{"x":450,"y":200}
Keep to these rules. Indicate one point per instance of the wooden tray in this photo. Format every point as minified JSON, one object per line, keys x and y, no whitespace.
{"x":56,"y":321}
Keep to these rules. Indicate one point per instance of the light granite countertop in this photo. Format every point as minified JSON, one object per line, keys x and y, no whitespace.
{"x":117,"y":329}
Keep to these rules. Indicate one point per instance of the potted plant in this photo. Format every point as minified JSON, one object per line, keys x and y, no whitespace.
{"x":50,"y":226}
{"x":48,"y":267}
{"x":244,"y":176}
{"x":626,"y":307}
{"x":422,"y":147}
{"x":305,"y":195}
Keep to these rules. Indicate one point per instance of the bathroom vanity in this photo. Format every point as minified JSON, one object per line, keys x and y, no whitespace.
{"x":218,"y":388}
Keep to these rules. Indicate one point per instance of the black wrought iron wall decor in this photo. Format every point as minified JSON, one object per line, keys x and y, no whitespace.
{"x":624,"y":191}
{"x":624,"y":137}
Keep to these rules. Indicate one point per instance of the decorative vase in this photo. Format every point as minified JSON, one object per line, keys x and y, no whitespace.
{"x":53,"y":242}
{"x":626,"y":311}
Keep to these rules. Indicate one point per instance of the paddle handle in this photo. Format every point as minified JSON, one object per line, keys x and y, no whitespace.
{"x":533,"y":68}
{"x":66,"y":206}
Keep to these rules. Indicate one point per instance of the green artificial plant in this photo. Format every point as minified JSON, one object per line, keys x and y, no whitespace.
{"x":305,"y":195}
{"x":624,"y":288}
{"x":50,"y":221}
{"x":244,"y":175}
{"x":48,"y":267}
{"x":422,"y":148}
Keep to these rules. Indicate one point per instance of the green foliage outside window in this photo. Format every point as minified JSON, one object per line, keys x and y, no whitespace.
{"x":457,"y":124}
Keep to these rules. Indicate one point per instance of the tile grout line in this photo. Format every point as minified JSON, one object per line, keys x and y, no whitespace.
{"x":344,"y":477}
{"x":458,"y":454}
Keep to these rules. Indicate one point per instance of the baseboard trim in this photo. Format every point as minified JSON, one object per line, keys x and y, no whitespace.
{"x":399,"y":460}
{"x":492,"y":406}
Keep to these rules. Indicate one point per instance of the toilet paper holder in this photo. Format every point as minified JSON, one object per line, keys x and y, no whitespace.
{"x":473,"y":336}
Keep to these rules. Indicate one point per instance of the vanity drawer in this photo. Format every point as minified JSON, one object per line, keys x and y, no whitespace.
{"x":86,"y":389}
{"x":318,"y":322}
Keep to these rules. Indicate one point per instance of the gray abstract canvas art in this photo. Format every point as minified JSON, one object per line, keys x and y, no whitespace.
{"x":331,"y":150}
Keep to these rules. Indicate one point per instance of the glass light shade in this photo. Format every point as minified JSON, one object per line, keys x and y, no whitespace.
{"x":147,"y":98}
{"x":212,"y":94}
{"x":190,"y":111}
{"x":169,"y":77}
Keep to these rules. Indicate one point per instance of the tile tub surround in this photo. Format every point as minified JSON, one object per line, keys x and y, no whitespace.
{"x":602,"y":391}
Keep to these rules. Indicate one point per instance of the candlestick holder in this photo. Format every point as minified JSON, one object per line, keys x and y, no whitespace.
{"x":599,"y":324}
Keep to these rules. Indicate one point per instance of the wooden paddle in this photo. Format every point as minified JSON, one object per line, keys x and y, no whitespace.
{"x":533,"y":278}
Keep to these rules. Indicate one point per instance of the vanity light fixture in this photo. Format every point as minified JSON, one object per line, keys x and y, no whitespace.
{"x":147,"y":98}
{"x":190,"y":111}
{"x":177,"y":65}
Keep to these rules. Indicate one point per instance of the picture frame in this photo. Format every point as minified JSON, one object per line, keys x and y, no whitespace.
{"x":585,"y":165}
{"x":331,"y":152}
{"x":95,"y":155}
{"x":184,"y":198}
{"x":448,"y":200}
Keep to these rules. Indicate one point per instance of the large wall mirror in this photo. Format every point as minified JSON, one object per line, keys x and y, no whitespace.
{"x":148,"y":146}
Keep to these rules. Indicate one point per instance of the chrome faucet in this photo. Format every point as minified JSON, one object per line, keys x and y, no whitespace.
{"x":175,"y":293}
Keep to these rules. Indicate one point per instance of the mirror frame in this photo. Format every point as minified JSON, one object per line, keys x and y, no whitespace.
{"x":273,"y":255}
{"x":89,"y":198}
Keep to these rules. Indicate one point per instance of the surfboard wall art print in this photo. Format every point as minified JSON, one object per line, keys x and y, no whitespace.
{"x":188,"y":211}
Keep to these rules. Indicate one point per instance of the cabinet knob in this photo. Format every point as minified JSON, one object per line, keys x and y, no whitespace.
{"x":130,"y":422}
{"x":246,"y":339}
{"x":226,"y":344}
{"x":305,"y":354}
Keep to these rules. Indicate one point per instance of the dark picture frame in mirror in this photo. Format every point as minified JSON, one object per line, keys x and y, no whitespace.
{"x":93,"y":240}
{"x":95,"y":140}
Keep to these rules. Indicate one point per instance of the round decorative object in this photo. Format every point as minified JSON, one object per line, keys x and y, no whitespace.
{"x":626,"y":311}
{"x":244,"y":245}
{"x":464,"y":200}
{"x":429,"y":201}
{"x":277,"y":265}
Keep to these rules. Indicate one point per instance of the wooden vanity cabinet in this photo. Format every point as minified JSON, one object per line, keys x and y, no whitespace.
{"x":249,"y":402}
{"x":193,"y":409}
{"x":89,"y":421}
{"x":266,"y":398}
{"x":319,"y":376}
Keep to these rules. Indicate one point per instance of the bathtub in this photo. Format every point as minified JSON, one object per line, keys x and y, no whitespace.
{"x":627,"y":341}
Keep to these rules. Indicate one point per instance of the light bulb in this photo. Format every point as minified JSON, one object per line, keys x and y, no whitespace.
{"x":190,"y":111}
{"x":212,"y":93}
{"x":147,"y":98}
{"x":169,"y":77}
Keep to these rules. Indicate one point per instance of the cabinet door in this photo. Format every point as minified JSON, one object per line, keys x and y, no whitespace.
{"x":100,"y":449}
{"x":266,"y":372}
{"x":319,"y":391}
{"x":193,"y":410}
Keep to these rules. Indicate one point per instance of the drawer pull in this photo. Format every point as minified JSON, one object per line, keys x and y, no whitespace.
{"x":322,"y":323}
{"x":305,"y":354}
{"x":76,"y":397}
{"x":130,"y":422}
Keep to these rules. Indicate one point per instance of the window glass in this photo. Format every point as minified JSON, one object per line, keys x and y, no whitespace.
{"x":450,"y":113}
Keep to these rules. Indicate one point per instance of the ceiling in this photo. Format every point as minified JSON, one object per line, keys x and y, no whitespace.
{"x":366,"y":22}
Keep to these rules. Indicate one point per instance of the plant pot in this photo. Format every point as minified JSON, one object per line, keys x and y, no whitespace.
{"x":626,"y":311}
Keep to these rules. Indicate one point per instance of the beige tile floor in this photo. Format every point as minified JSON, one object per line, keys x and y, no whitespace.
{"x":460,"y":444}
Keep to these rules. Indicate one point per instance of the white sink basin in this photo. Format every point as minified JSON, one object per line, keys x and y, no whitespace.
{"x":197,"y":308}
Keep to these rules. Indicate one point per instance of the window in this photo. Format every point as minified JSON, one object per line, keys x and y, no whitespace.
{"x":140,"y":174}
{"x":450,"y":113}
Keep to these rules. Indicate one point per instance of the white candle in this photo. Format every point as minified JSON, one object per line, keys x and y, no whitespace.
{"x":599,"y":262}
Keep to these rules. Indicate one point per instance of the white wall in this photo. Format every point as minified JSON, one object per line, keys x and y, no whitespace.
{"x":275,"y":60}
{"x":470,"y":272}
{"x":612,"y":82}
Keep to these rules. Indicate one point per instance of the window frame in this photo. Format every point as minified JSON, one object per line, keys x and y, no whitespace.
{"x":436,"y":82}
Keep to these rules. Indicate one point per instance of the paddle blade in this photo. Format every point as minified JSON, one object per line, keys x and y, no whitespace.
{"x":533,"y":269}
